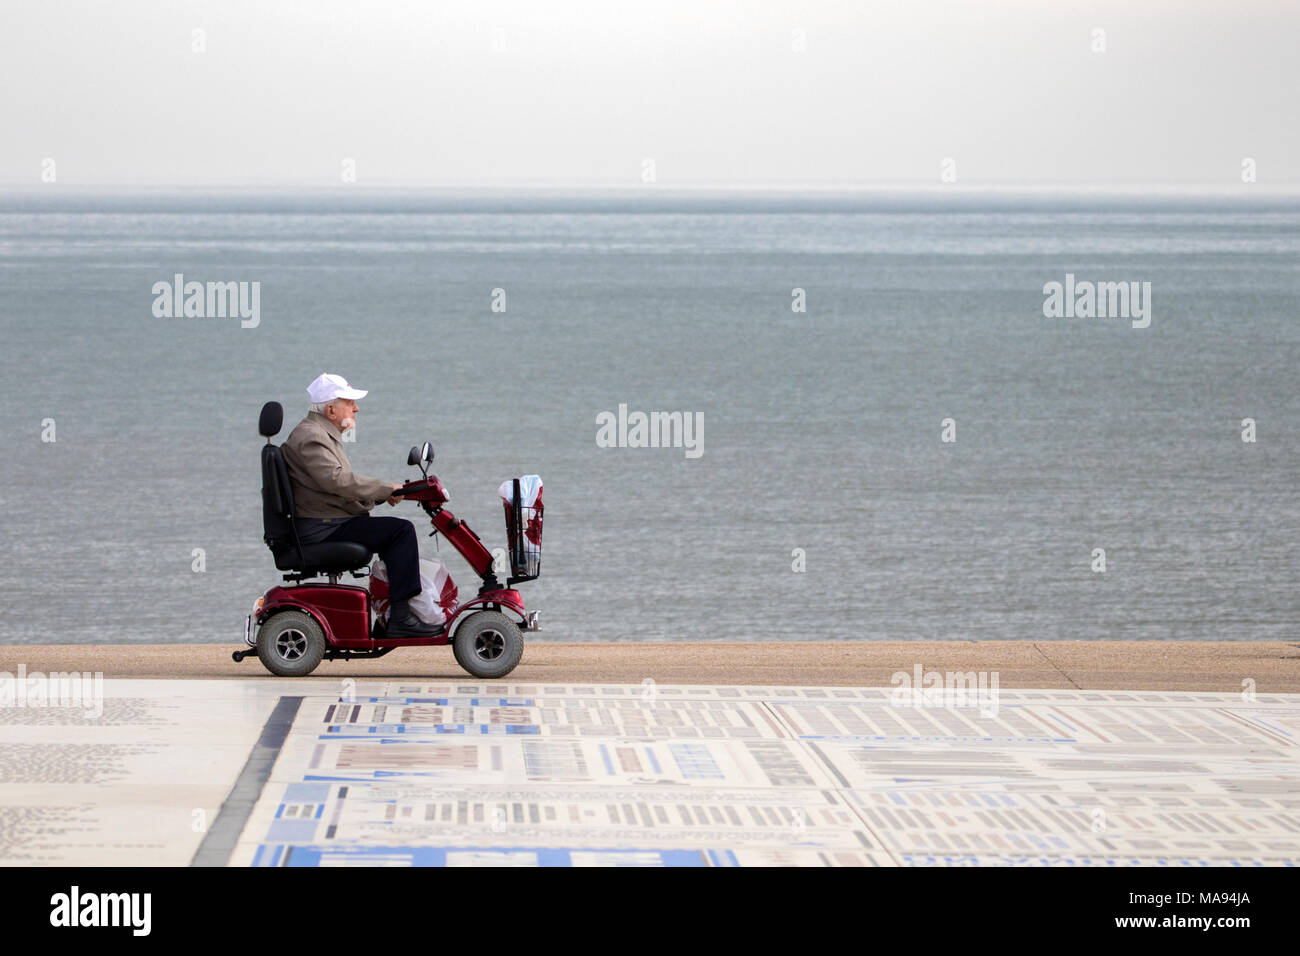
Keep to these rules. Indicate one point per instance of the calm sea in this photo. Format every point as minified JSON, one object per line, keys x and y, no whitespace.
{"x":822,"y":441}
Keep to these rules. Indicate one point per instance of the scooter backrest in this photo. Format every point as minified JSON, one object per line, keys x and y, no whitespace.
{"x":271,"y":419}
{"x":277,"y":499}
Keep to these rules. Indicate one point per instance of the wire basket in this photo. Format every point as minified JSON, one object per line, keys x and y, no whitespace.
{"x":524,"y":534}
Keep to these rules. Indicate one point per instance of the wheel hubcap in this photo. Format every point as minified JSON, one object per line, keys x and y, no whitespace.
{"x":291,"y":644}
{"x":490,"y":645}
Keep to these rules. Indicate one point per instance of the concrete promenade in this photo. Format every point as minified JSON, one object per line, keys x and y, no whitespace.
{"x":1220,"y":666}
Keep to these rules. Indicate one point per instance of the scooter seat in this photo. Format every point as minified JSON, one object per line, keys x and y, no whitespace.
{"x":328,"y":557}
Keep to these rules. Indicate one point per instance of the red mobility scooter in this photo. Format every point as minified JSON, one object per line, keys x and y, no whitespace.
{"x":292,"y":629}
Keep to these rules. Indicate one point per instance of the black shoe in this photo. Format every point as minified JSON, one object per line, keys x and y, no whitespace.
{"x":403,"y":622}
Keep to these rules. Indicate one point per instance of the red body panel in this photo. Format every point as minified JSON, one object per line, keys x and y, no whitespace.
{"x":506,"y":597}
{"x":342,"y":610}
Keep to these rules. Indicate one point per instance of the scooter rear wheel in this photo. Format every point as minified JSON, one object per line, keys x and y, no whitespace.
{"x":290,"y":644}
{"x":488,"y":645}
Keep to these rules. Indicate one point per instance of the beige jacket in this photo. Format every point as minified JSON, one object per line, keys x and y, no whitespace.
{"x":324,"y":485}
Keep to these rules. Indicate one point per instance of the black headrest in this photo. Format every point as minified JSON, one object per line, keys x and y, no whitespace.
{"x":272,"y":417}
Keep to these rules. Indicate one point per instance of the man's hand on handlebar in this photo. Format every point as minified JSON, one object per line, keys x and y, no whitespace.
{"x":395,"y":498}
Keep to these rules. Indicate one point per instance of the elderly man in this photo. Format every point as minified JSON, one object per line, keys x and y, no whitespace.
{"x":333,"y":504}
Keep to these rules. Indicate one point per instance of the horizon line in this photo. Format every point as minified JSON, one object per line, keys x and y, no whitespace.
{"x":1198,"y":188}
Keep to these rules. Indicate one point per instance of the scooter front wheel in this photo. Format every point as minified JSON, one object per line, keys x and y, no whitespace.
{"x":290,"y":644}
{"x":488,"y":644}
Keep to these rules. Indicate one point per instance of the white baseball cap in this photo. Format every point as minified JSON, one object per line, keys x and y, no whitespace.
{"x":328,"y":387}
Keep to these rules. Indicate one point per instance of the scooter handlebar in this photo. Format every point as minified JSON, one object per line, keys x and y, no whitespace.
{"x":425,"y":489}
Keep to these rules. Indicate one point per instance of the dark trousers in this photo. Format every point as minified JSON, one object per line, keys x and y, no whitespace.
{"x":394,"y":539}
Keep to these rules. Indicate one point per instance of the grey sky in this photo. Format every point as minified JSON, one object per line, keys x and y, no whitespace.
{"x":714,"y":93}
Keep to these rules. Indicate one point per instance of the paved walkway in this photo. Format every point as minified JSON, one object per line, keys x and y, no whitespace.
{"x":1224,"y":666}
{"x":456,"y":772}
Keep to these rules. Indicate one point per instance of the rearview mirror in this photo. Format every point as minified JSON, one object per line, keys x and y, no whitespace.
{"x":426,"y":452}
{"x":414,"y":457}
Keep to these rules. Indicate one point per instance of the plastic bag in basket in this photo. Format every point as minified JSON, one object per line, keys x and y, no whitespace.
{"x":530,"y":500}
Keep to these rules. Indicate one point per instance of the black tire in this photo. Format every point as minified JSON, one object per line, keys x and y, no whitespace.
{"x":488,"y":645}
{"x":290,"y":644}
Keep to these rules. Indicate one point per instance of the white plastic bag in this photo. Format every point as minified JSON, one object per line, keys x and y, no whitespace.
{"x":438,"y":593}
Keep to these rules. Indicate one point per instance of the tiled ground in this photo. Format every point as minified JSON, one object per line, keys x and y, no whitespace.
{"x":138,"y":785}
{"x":453,"y":773}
